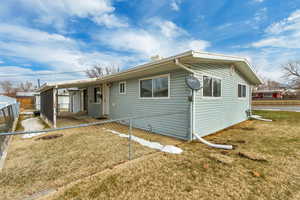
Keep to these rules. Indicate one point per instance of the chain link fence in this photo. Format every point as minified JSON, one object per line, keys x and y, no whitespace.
{"x":79,"y":148}
{"x":8,"y":115}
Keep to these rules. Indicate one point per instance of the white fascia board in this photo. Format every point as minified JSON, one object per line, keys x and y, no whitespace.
{"x":221,"y":57}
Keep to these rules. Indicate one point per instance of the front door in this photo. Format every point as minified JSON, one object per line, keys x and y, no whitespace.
{"x":105,"y":99}
{"x":85,"y":100}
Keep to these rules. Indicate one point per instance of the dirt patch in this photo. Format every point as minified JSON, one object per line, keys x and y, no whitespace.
{"x":248,"y":128}
{"x":49,"y":137}
{"x":222,"y":158}
{"x":255,"y":174}
{"x":253,"y":156}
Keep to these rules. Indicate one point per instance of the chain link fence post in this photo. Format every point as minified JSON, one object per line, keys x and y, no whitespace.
{"x":129,"y":138}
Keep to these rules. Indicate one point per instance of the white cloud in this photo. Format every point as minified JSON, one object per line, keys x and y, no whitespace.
{"x":268,"y":61}
{"x":21,"y":74}
{"x":292,"y":23}
{"x":167,"y":28}
{"x":1,"y":62}
{"x":283,"y":34}
{"x":260,"y":15}
{"x":175,"y":5}
{"x":161,"y":37}
{"x":24,"y":34}
{"x":57,"y":12}
{"x":258,"y":1}
{"x":110,"y":21}
{"x":53,"y":50}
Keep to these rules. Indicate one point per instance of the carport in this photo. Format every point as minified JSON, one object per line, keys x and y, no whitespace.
{"x":78,"y":96}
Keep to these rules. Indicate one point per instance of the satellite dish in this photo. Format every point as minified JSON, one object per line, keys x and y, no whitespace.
{"x":193,"y":83}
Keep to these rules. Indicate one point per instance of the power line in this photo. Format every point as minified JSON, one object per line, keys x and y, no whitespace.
{"x":39,"y":74}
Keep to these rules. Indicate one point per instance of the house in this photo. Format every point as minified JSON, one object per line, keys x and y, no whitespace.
{"x":63,"y":100}
{"x":26,"y":100}
{"x":9,"y":110}
{"x":268,"y":94}
{"x":5,"y":100}
{"x":160,"y":87}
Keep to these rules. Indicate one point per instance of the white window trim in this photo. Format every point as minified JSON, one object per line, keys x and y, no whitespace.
{"x":241,"y":98}
{"x":212,"y":97}
{"x":153,"y":77}
{"x":123,"y":82}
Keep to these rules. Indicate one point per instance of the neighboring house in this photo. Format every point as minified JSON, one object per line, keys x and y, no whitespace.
{"x":5,"y":100}
{"x":63,"y":99}
{"x":26,"y":100}
{"x":160,"y":87}
{"x":278,"y":94}
{"x":9,"y":110}
{"x":268,"y":94}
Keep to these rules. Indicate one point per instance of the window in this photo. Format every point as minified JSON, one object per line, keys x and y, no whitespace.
{"x":241,"y":90}
{"x":122,"y":87}
{"x":156,"y":87}
{"x":97,"y":95}
{"x":211,"y":87}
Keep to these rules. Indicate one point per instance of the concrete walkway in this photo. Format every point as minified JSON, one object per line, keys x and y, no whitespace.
{"x":277,"y":108}
{"x":32,"y":124}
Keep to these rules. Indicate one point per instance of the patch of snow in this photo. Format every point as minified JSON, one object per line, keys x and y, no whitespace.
{"x":153,"y":145}
{"x":32,"y":124}
{"x":272,"y":109}
{"x":256,"y":116}
{"x":27,"y":113}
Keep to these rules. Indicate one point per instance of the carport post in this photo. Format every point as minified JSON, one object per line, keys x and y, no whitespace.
{"x":129,"y":138}
{"x":54,"y":106}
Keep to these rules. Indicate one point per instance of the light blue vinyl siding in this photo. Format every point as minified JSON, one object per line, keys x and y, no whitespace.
{"x":130,"y":104}
{"x":214,"y":114}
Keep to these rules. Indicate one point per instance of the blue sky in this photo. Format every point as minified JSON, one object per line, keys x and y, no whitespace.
{"x":70,"y":35}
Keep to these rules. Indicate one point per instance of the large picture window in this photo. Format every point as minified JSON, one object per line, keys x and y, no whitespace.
{"x":156,"y":87}
{"x":212,"y":87}
{"x":241,"y":90}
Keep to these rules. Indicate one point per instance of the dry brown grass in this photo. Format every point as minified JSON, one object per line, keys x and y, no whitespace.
{"x":195,"y":175}
{"x":37,"y":165}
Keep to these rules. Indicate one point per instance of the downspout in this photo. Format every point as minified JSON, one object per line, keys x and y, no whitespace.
{"x":250,"y":99}
{"x":192,"y":128}
{"x":256,"y":117}
{"x":192,"y":114}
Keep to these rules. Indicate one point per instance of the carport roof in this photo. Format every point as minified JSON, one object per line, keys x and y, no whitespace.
{"x":164,"y":65}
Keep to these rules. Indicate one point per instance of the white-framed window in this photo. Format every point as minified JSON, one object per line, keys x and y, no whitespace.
{"x":97,"y":94}
{"x":242,"y":91}
{"x":212,"y":87}
{"x":122,"y":87}
{"x":155,"y":87}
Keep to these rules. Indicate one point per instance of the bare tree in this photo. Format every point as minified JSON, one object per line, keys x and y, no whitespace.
{"x":26,"y":87}
{"x":292,"y":72}
{"x":10,"y":89}
{"x":269,"y":84}
{"x":99,"y":70}
{"x":7,"y":87}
